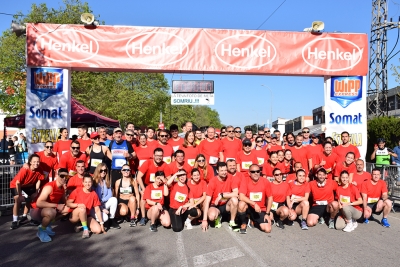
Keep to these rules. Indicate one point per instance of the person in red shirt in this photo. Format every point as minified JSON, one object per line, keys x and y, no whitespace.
{"x":154,"y":195}
{"x":48,"y":162}
{"x":287,"y":165}
{"x":167,"y":148}
{"x":246,"y":158}
{"x":315,"y":148}
{"x":231,"y":146}
{"x":190,"y":148}
{"x":324,"y":203}
{"x":63,"y":144}
{"x":300,"y":191}
{"x":144,"y":151}
{"x":175,"y":141}
{"x":300,"y":153}
{"x":76,"y":180}
{"x":151,"y":142}
{"x":27,"y":180}
{"x":211,"y":148}
{"x":197,"y":195}
{"x":180,"y":163}
{"x":280,"y":192}
{"x":248,"y":134}
{"x":49,"y":205}
{"x":83,"y":139}
{"x":375,"y":198}
{"x":325,"y":159}
{"x":206,"y":171}
{"x":274,"y":146}
{"x":68,"y":160}
{"x":345,"y":147}
{"x":255,"y":201}
{"x":350,"y":202}
{"x":292,"y":176}
{"x":236,"y":176}
{"x":270,"y":165}
{"x":81,"y":201}
{"x":260,"y":152}
{"x":221,"y":199}
{"x":360,"y":176}
{"x":346,"y":165}
{"x":146,"y":176}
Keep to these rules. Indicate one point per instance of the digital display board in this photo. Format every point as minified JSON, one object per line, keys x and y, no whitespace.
{"x":200,"y":86}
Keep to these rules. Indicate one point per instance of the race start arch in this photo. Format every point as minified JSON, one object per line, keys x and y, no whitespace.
{"x":54,"y":50}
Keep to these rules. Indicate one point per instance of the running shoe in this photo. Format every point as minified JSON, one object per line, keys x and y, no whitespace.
{"x":331,"y":224}
{"x":188,"y":224}
{"x":290,"y":223}
{"x":153,"y":228}
{"x":43,"y":236}
{"x":217,"y":222}
{"x":366,"y":221}
{"x":355,"y":224}
{"x":23,"y":219}
{"x":33,"y":223}
{"x":304,"y":225}
{"x":233,"y":226}
{"x":321,"y":220}
{"x":133,"y":222}
{"x":279,"y":224}
{"x":143,"y":221}
{"x":385,"y":222}
{"x":49,"y":231}
{"x":114,"y":224}
{"x":243,"y":229}
{"x":78,"y":228}
{"x":14,"y":225}
{"x":250,"y":224}
{"x":85,"y":234}
{"x":348,"y":228}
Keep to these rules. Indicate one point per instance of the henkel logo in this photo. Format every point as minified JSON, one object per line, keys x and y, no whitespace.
{"x":245,"y":51}
{"x":346,"y":90}
{"x":332,"y":54}
{"x":157,"y":48}
{"x":46,"y":82}
{"x":70,"y":46}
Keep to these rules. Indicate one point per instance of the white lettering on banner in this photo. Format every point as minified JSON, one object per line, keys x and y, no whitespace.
{"x":162,"y":49}
{"x":69,"y":47}
{"x":245,"y":52}
{"x":331,"y":54}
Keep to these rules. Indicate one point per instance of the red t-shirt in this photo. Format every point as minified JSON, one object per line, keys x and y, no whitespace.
{"x":299,"y":190}
{"x":313,"y":151}
{"x":374,"y":192}
{"x":175,"y":168}
{"x":267,"y":169}
{"x":196,"y":191}
{"x":152,"y":143}
{"x":211,"y":150}
{"x":149,"y":168}
{"x":330,"y":162}
{"x":280,"y":192}
{"x":245,"y":161}
{"x":69,"y":162}
{"x":348,"y":195}
{"x":283,"y":167}
{"x":207,"y":176}
{"x":340,"y":167}
{"x":361,"y":178}
{"x":144,"y":153}
{"x":290,"y":177}
{"x":237,"y":179}
{"x":74,"y":182}
{"x":231,"y":148}
{"x":323,"y":195}
{"x":341,"y":151}
{"x":61,"y":147}
{"x":262,"y":156}
{"x":55,"y":195}
{"x":274,"y":148}
{"x":27,"y":177}
{"x":175,"y":143}
{"x":90,"y":199}
{"x":190,"y":154}
{"x":154,"y":194}
{"x":168,"y":151}
{"x":216,"y":187}
{"x":47,"y":163}
{"x":178,"y":195}
{"x":84,"y":144}
{"x":256,"y":191}
{"x":300,"y":155}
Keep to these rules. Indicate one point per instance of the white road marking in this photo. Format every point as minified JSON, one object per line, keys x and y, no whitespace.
{"x":217,"y":256}
{"x":249,"y":251}
{"x":182,"y":261}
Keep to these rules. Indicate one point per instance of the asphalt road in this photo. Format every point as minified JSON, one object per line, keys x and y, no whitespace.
{"x":368,"y":245}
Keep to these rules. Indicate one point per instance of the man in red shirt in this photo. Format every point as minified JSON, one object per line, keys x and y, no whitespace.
{"x":344,"y":148}
{"x":300,"y":153}
{"x":163,"y":144}
{"x":238,"y":133}
{"x":221,"y":199}
{"x":324,"y":203}
{"x":84,"y":139}
{"x":273,"y":145}
{"x":246,"y":158}
{"x":237,"y":177}
{"x":231,"y":146}
{"x":211,"y":148}
{"x":248,"y":134}
{"x":48,"y":162}
{"x":175,"y":141}
{"x":375,"y":198}
{"x":150,"y":137}
{"x":76,"y":180}
{"x":68,"y":160}
{"x":180,"y":163}
{"x":360,"y":176}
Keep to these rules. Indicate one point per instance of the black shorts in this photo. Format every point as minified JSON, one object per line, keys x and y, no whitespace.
{"x":279,"y":205}
{"x":257,"y":218}
{"x":28,"y":190}
{"x":222,"y":209}
{"x":373,"y":208}
{"x":125,"y":201}
{"x":294,"y":206}
{"x":319,"y":210}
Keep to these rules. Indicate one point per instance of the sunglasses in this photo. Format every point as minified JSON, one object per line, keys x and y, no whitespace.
{"x":75,"y":147}
{"x":63,"y":176}
{"x":129,"y":134}
{"x":49,"y":147}
{"x":247,"y":145}
{"x":259,"y":141}
{"x":103,"y":170}
{"x":258,"y":171}
{"x":163,"y":135}
{"x":267,"y":131}
{"x":305,"y":131}
{"x":223,"y":135}
{"x":238,"y":131}
{"x":201,"y":160}
{"x":229,"y":131}
{"x":125,"y":170}
{"x":278,"y":174}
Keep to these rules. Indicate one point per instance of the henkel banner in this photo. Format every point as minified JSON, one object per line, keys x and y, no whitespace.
{"x":47,"y":105}
{"x":345,"y":109}
{"x":155,"y":49}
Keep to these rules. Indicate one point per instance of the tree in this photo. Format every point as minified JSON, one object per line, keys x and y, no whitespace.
{"x":254,"y":127}
{"x":205,"y":116}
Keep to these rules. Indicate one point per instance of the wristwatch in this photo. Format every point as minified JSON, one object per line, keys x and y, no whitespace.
{"x":101,"y":223}
{"x":222,"y":195}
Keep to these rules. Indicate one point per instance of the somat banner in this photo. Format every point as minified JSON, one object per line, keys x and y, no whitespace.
{"x":345,"y":109}
{"x":156,"y":49}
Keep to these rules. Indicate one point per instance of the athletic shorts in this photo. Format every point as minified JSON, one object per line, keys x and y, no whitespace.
{"x":28,"y":190}
{"x":294,"y":206}
{"x":319,"y":210}
{"x":222,"y":209}
{"x":257,"y":218}
{"x":373,"y":208}
{"x":125,"y":201}
{"x":279,"y":205}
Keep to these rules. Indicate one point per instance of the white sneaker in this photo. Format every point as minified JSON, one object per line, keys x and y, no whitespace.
{"x":188,"y":224}
{"x":348,"y":228}
{"x":355,"y":224}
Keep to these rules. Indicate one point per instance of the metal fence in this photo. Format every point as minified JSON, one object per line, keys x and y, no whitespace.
{"x":7,"y":173}
{"x":391,"y":175}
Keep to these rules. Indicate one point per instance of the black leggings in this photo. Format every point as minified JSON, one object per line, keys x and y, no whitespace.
{"x":177,"y":221}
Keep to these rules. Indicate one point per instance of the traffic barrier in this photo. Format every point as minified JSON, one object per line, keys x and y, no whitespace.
{"x":7,"y":173}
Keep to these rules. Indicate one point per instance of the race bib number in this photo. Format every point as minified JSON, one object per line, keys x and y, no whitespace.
{"x":256,"y":196}
{"x":191,"y":162}
{"x":71,"y":173}
{"x":196,"y":200}
{"x":213,"y":160}
{"x":328,"y":170}
{"x":274,"y":205}
{"x":118,"y":152}
{"x":271,"y":179}
{"x":175,"y":148}
{"x":321,"y":202}
{"x":344,"y":199}
{"x":152,"y":177}
{"x":260,"y":161}
{"x":372,"y":200}
{"x":180,"y":197}
{"x":293,"y":197}
{"x":95,"y":162}
{"x":120,"y":162}
{"x":167,"y":160}
{"x":246,"y":165}
{"x":156,"y":194}
{"x":141,"y":162}
{"x":126,"y":190}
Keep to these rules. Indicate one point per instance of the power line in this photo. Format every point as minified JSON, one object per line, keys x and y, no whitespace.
{"x":271,"y":14}
{"x":7,"y":14}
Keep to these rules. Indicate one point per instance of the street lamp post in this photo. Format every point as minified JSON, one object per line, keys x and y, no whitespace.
{"x":271,"y":103}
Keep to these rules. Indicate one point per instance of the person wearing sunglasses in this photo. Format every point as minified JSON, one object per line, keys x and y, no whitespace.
{"x":76,"y":180}
{"x":154,"y":196}
{"x":50,"y":205}
{"x":270,"y":165}
{"x":48,"y":162}
{"x":97,"y":153}
{"x":81,"y":201}
{"x":231,"y":146}
{"x":306,"y":136}
{"x":212,"y":149}
{"x":260,"y":152}
{"x":146,"y":176}
{"x":326,"y":159}
{"x":299,"y":204}
{"x":127,"y":193}
{"x":281,"y":194}
{"x":68,"y":160}
{"x":102,"y":187}
{"x":63,"y":144}
{"x":167,"y":148}
{"x":267,"y":136}
{"x":238,"y":133}
{"x":274,"y":145}
{"x":246,"y":158}
{"x":190,"y":148}
{"x":197,"y":195}
{"x":206,"y":171}
{"x":255,"y":200}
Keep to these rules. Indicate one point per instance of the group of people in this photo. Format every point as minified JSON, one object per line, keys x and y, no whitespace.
{"x":101,"y":179}
{"x":16,"y":146}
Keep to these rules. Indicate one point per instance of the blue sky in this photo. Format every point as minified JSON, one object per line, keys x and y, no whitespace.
{"x":240,"y":99}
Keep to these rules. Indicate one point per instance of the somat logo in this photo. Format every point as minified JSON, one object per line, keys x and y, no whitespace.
{"x":346,"y":90}
{"x":245,"y":51}
{"x":67,"y":46}
{"x":157,"y":48}
{"x":332,"y":54}
{"x":46,"y":82}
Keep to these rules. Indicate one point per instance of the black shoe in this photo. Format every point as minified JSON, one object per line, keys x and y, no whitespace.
{"x":153,"y":228}
{"x":279,"y":223}
{"x":23,"y":219}
{"x":243,"y":229}
{"x":114,"y":224}
{"x":290,"y":223}
{"x":33,"y":223}
{"x":132,"y":223}
{"x":120,"y":220}
{"x":14,"y":225}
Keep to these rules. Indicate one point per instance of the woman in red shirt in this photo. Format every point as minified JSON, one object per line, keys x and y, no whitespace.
{"x":260,"y":152}
{"x":350,"y":201}
{"x":270,"y":165}
{"x":288,"y":163}
{"x":143,"y":150}
{"x":326,"y":159}
{"x":190,"y":148}
{"x":81,"y":201}
{"x":197,"y":195}
{"x":63,"y":144}
{"x":280,"y":192}
{"x":346,"y":165}
{"x":300,"y":191}
{"x":206,"y":171}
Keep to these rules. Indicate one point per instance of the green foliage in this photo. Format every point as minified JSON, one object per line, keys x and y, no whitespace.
{"x":254,"y":127}
{"x":205,"y":116}
{"x":383,"y":127}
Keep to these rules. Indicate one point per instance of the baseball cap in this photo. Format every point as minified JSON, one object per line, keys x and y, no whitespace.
{"x":314,"y":135}
{"x":117,"y":130}
{"x":246,"y":142}
{"x":62,"y":171}
{"x":109,"y":131}
{"x":94,"y":135}
{"x":274,"y":136}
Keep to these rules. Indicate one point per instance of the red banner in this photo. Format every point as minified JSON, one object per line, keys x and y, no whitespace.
{"x":119,"y":48}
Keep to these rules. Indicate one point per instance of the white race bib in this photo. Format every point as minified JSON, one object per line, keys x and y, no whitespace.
{"x":156,"y":194}
{"x":191,"y":162}
{"x":120,"y":162}
{"x":213,"y":160}
{"x":322,"y":202}
{"x":175,"y":148}
{"x":246,"y":165}
{"x":95,"y":162}
{"x":271,"y":179}
{"x":152,"y":177}
{"x":167,"y":160}
{"x":71,"y":173}
{"x":196,"y":200}
{"x":274,"y":205}
{"x":328,"y":170}
{"x":344,"y":199}
{"x":141,"y":162}
{"x":126,"y":190}
{"x":256,"y":196}
{"x":180,"y":197}
{"x":294,"y":197}
{"x":260,"y":161}
{"x":372,"y":200}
